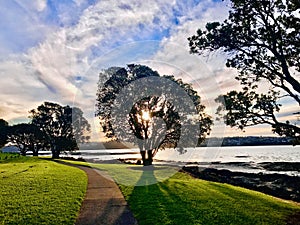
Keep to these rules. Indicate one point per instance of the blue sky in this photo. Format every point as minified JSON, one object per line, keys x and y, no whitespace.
{"x":53,"y":50}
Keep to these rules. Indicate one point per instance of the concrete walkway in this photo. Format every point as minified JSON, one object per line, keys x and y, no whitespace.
{"x":103,"y":203}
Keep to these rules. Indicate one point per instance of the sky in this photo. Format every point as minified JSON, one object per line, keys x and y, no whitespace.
{"x":53,"y":50}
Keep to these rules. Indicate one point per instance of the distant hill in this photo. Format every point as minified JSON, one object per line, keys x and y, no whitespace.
{"x":10,"y":149}
{"x":102,"y":145}
{"x":213,"y":141}
{"x":247,"y":141}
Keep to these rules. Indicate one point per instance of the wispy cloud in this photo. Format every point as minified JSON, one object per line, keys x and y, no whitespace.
{"x":56,"y":54}
{"x":53,"y":50}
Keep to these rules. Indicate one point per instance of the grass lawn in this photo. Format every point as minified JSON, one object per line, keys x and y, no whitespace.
{"x":37,"y":191}
{"x":182,"y":199}
{"x":8,"y":156}
{"x":186,"y":200}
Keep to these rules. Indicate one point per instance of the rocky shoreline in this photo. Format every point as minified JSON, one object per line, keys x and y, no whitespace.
{"x":278,"y":185}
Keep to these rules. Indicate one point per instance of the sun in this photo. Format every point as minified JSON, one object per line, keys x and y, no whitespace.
{"x":146,"y":115}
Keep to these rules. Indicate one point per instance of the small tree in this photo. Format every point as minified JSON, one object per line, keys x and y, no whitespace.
{"x":62,"y":125}
{"x":3,"y":132}
{"x":263,"y":43}
{"x":27,"y":137}
{"x":156,"y":121}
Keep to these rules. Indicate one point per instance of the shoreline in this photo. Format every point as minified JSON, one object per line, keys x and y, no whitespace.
{"x":270,"y":181}
{"x":278,"y":185}
{"x":279,"y":179}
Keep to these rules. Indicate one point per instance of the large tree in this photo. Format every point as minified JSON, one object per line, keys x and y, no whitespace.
{"x":3,"y":132}
{"x":262,"y":40}
{"x":63,"y":126}
{"x":27,"y":137}
{"x":137,"y":105}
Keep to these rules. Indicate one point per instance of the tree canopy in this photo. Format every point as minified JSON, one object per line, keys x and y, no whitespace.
{"x":27,"y":137}
{"x":138,"y":105}
{"x":3,"y":132}
{"x":262,"y":40}
{"x":63,"y":126}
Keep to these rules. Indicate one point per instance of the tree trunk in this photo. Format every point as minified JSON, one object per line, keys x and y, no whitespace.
{"x":143,"y":154}
{"x":55,"y":153}
{"x":147,"y":161}
{"x":34,"y":150}
{"x":150,"y":158}
{"x":23,"y":152}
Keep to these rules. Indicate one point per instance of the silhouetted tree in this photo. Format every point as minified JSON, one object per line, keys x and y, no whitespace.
{"x":263,"y":43}
{"x":27,"y":137}
{"x":156,"y":119}
{"x":62,"y":125}
{"x":3,"y":132}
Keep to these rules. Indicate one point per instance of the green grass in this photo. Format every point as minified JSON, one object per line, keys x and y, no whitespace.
{"x":131,"y":175}
{"x":185,"y":200}
{"x":182,"y":199}
{"x":36,"y":191}
{"x":8,"y":156}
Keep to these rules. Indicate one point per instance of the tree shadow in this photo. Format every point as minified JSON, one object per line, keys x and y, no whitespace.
{"x":153,"y":200}
{"x":147,"y":177}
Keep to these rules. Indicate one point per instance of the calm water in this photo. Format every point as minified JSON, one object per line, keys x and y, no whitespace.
{"x":256,"y":154}
{"x":246,"y":154}
{"x":214,"y":157}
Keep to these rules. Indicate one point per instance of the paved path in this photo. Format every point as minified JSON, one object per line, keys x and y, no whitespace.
{"x":103,"y":203}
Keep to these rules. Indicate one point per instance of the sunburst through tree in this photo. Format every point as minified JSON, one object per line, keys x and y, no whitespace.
{"x":153,"y":112}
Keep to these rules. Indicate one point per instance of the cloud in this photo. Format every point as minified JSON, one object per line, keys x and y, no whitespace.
{"x":204,"y":73}
{"x":208,"y":75}
{"x":41,"y":5}
{"x":70,"y":51}
{"x":48,"y":51}
{"x":20,"y":91}
{"x":64,"y":65}
{"x":54,"y":50}
{"x":31,"y":7}
{"x":175,"y":47}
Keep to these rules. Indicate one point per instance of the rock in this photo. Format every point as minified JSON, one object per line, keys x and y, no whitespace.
{"x":278,"y":185}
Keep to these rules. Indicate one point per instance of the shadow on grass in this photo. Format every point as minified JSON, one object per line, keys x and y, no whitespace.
{"x":153,"y":203}
{"x":183,"y":200}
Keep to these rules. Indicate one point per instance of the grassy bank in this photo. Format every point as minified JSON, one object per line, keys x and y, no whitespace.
{"x":8,"y":156}
{"x":186,"y":200}
{"x":182,"y":199}
{"x":36,"y":191}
